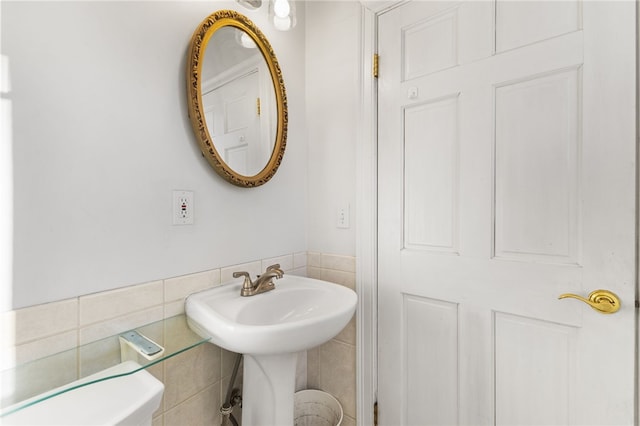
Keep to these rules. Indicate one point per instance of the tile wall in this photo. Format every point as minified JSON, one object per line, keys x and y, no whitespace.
{"x":198,"y":376}
{"x":332,"y":367}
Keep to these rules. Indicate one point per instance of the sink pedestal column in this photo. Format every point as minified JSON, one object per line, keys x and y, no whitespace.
{"x":268,"y":386}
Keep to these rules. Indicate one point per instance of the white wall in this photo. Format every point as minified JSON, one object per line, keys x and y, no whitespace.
{"x":333,"y":87}
{"x":101,"y":137}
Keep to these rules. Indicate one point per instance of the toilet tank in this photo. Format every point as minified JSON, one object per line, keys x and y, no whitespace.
{"x":130,"y":399}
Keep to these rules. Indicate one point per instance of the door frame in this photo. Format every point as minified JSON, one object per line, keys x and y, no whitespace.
{"x":367,"y":220}
{"x":366,"y":215}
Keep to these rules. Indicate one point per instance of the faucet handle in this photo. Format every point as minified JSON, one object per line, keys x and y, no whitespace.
{"x":247,"y":278}
{"x":276,"y":270}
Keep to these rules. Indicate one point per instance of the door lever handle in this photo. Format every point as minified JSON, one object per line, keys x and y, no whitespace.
{"x":602,"y":301}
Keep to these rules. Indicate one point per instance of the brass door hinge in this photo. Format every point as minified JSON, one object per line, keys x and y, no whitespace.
{"x":375,"y":413}
{"x":258,"y":106}
{"x":376,"y":60}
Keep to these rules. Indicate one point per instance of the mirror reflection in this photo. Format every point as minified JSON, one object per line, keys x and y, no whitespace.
{"x":238,"y":101}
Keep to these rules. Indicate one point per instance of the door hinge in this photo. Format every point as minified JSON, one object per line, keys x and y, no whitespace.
{"x":376,"y":60}
{"x":258,"y":106}
{"x":375,"y":413}
{"x":637,"y":304}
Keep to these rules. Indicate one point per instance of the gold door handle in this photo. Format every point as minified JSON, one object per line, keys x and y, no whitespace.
{"x":602,"y":301}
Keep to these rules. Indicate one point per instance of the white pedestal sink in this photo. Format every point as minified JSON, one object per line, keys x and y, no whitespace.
{"x":269,"y":329}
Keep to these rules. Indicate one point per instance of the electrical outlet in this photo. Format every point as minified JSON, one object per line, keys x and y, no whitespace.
{"x":343,"y":217}
{"x":183,"y":207}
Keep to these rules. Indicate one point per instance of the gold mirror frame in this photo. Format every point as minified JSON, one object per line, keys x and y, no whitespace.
{"x":197,"y":47}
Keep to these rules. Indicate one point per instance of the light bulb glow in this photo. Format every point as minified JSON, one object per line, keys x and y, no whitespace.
{"x":282,"y":24}
{"x":281,"y":8}
{"x":247,"y":41}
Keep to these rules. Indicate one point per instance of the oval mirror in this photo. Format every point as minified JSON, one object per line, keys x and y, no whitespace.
{"x":237,"y":101}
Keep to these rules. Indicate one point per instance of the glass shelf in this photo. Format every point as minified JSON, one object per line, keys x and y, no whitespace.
{"x":39,"y":380}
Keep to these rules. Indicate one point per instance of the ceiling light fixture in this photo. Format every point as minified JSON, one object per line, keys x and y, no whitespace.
{"x":251,"y":4}
{"x":245,"y":40}
{"x":282,"y":13}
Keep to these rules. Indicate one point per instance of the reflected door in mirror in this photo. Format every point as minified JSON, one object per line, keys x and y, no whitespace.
{"x":233,"y":120}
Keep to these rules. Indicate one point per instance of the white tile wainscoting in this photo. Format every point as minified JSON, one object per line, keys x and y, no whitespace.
{"x":198,"y":376}
{"x":331,"y":367}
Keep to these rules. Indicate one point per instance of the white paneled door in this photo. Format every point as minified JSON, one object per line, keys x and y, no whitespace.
{"x":506,"y":178}
{"x":233,"y":119}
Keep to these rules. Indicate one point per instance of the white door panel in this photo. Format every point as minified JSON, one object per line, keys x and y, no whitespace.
{"x":234,"y":122}
{"x":506,"y":178}
{"x":531,"y":21}
{"x":431,"y":172}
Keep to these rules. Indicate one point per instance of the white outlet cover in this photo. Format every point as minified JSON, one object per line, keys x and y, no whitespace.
{"x":182,"y":207}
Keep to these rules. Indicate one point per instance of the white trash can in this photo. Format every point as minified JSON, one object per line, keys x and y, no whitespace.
{"x":316,"y":408}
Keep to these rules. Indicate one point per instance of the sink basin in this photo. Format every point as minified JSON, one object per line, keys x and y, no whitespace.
{"x":299,"y":314}
{"x":269,"y":328}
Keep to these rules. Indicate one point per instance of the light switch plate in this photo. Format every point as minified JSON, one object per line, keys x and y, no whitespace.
{"x":343,"y":217}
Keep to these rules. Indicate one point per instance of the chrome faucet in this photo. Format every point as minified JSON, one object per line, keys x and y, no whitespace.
{"x":262,"y":283}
